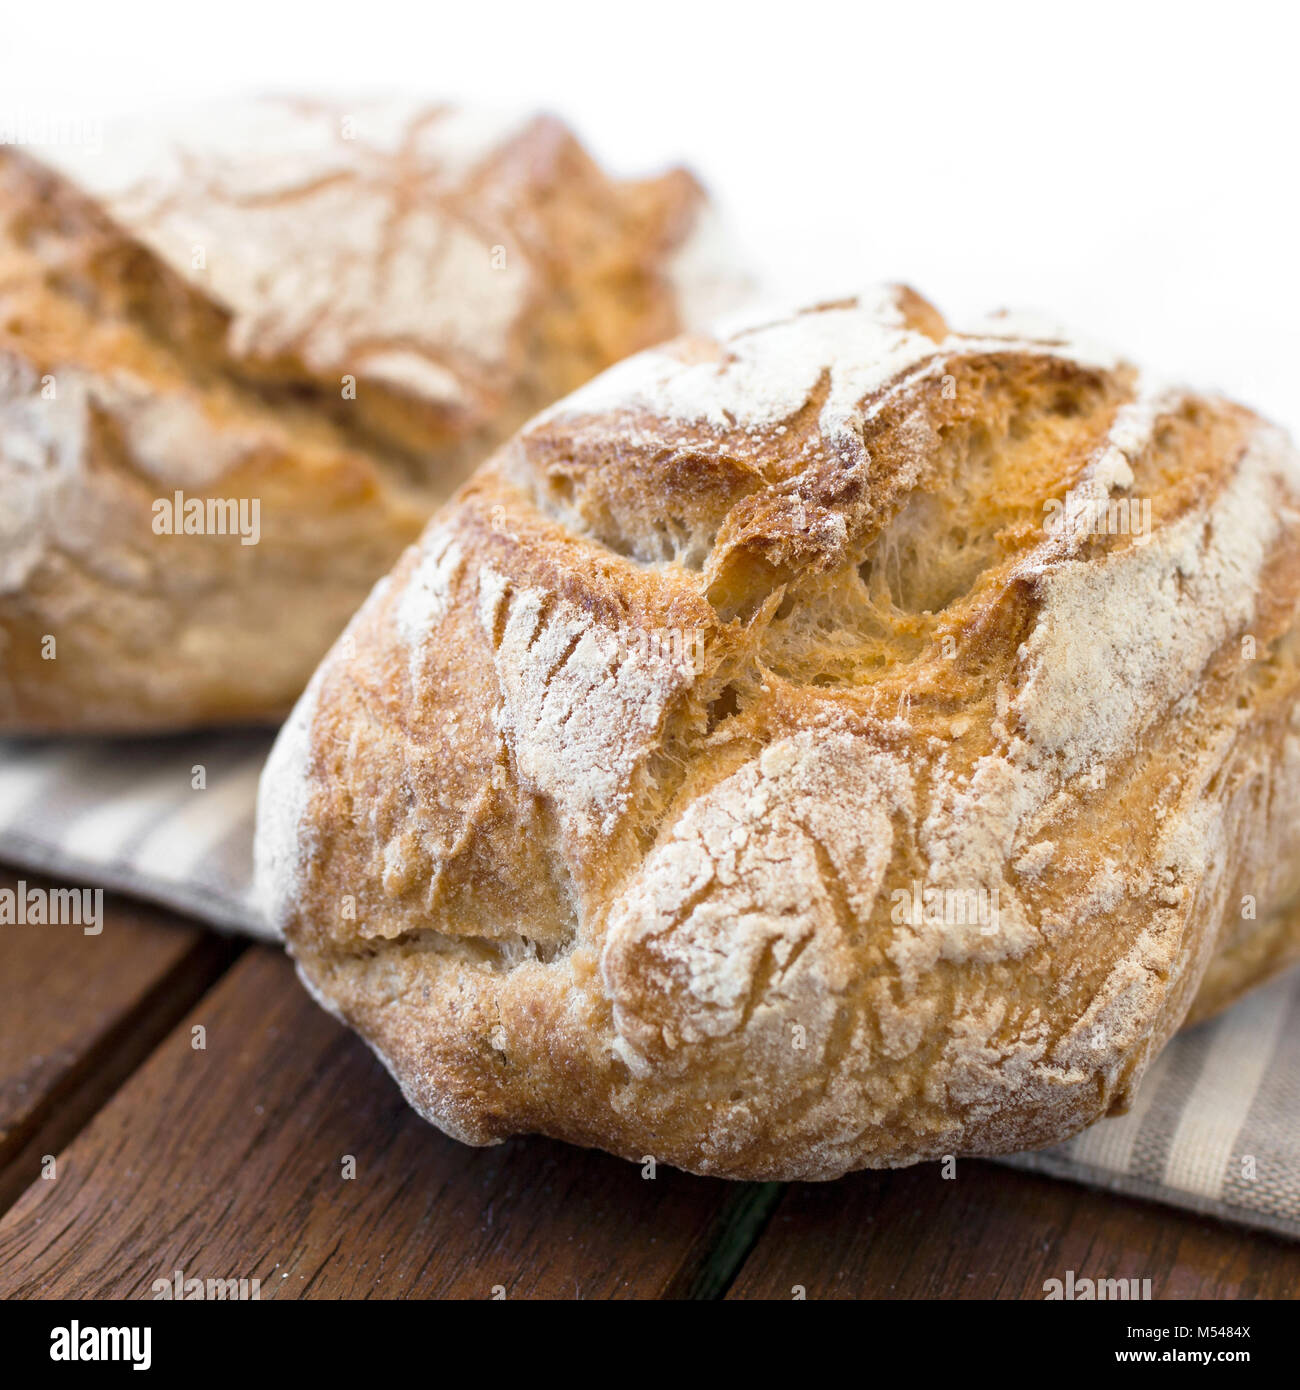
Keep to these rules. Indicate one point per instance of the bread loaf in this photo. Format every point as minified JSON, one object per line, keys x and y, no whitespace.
{"x":840,"y":742}
{"x":295,"y":319}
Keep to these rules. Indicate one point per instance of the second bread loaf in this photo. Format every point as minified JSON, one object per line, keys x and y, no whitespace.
{"x":244,"y":353}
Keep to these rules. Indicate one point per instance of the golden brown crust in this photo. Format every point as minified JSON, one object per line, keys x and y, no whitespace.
{"x":836,"y":744}
{"x":334,"y":323}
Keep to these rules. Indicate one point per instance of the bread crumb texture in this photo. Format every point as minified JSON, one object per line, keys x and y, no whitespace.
{"x":834,"y":742}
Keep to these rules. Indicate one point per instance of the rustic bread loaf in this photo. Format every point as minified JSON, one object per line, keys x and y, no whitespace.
{"x":838,"y":743}
{"x":330,"y":311}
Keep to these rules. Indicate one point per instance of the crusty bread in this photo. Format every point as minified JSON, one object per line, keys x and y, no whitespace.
{"x":334,"y":311}
{"x":769,"y":763}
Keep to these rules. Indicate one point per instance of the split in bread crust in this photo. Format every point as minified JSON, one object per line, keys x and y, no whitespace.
{"x":331,"y":312}
{"x":839,"y":742}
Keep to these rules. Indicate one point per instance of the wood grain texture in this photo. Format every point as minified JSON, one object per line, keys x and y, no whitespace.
{"x":80,"y":1012}
{"x":227,"y":1163}
{"x":994,"y":1232}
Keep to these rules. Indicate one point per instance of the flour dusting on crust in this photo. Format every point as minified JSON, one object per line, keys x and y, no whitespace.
{"x":768,"y":371}
{"x":579,"y":713}
{"x":1120,"y":635}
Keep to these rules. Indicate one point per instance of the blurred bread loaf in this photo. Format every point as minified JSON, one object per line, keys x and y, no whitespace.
{"x":838,"y":743}
{"x":330,"y":310}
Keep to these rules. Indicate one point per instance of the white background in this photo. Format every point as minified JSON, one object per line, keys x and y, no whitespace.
{"x":1128,"y":168}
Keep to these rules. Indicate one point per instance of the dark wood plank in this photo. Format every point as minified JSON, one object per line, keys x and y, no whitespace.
{"x":993,"y":1232}
{"x":80,"y":1012}
{"x":226,"y":1163}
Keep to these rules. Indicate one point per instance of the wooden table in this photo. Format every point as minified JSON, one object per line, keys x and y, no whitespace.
{"x":230,"y":1160}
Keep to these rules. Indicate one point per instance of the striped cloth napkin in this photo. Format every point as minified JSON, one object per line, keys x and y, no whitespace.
{"x":1215,"y":1127}
{"x":170,"y":819}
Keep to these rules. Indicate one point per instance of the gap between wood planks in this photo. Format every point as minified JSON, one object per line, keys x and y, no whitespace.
{"x":93,"y":1079}
{"x":740,"y":1223}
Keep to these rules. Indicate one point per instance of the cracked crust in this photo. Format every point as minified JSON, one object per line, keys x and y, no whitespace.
{"x":333,"y":311}
{"x":759,"y":765}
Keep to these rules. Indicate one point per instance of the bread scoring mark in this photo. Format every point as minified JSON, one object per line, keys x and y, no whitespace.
{"x":920,"y":542}
{"x":970,"y":832}
{"x":579,"y":714}
{"x":493,"y":607}
{"x":1129,"y":437}
{"x":734,"y":922}
{"x":768,"y":372}
{"x":1119,"y":635}
{"x":770,"y":441}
